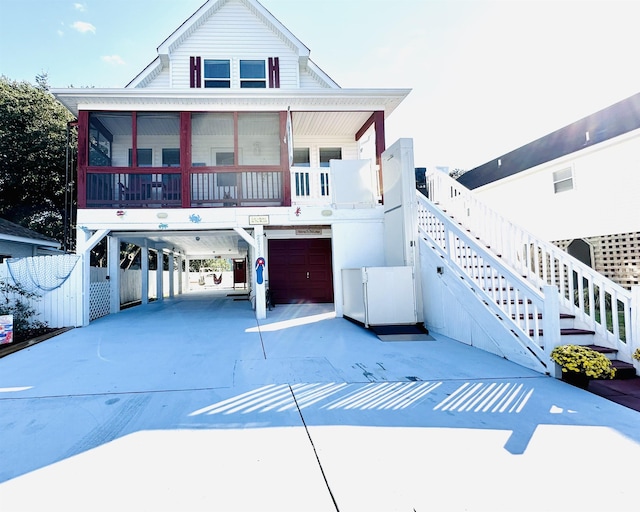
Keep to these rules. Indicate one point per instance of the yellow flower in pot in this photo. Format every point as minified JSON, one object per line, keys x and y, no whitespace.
{"x":577,"y":359}
{"x":636,"y":354}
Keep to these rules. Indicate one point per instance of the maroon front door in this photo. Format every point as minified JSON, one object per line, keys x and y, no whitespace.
{"x":300,"y":270}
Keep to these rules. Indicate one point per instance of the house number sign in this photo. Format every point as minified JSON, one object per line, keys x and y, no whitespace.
{"x":258,"y":219}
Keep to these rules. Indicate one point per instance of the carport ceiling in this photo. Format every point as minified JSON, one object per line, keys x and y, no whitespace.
{"x":194,"y":244}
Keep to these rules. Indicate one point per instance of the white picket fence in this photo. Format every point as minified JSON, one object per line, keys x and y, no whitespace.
{"x":60,"y":307}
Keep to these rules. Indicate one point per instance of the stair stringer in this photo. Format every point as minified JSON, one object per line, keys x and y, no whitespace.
{"x":458,"y":308}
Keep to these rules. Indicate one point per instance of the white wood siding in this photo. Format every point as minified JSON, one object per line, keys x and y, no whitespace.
{"x":604,"y":200}
{"x":233,"y":32}
{"x":310,"y":81}
{"x":162,"y":81}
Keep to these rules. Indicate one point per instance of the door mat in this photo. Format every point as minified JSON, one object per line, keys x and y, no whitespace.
{"x":401,"y":332}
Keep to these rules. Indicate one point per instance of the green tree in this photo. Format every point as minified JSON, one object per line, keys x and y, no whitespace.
{"x":33,"y":156}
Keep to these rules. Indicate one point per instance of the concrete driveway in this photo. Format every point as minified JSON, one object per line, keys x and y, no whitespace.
{"x":191,"y":405}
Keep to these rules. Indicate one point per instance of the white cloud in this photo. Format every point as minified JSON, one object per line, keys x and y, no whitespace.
{"x":84,"y":27}
{"x":116,"y":60}
{"x":80,"y":7}
{"x":60,"y":32}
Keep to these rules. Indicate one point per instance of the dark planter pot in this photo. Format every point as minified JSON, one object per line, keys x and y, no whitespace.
{"x":579,"y":380}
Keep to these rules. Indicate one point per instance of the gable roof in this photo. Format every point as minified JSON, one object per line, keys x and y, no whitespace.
{"x":207,"y":10}
{"x":13,"y":232}
{"x":613,"y":121}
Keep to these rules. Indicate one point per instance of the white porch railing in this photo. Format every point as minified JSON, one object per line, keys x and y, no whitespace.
{"x":310,"y":186}
{"x":597,"y":302}
{"x":521,"y":306}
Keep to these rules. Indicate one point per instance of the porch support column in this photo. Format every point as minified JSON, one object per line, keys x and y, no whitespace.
{"x":144,"y":268}
{"x":172,"y":273}
{"x":113,"y":262}
{"x":159,"y":274}
{"x":85,"y":241}
{"x":377,"y":120}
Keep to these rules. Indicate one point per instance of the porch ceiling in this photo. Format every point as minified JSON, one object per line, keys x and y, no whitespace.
{"x":322,"y":123}
{"x":192,"y":244}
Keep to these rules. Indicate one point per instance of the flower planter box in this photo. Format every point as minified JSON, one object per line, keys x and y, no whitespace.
{"x":577,"y":379}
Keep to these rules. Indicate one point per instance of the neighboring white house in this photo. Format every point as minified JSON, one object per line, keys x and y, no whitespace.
{"x":233,"y":143}
{"x":578,"y":187}
{"x":18,"y":242}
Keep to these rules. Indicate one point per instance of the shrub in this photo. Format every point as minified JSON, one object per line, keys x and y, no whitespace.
{"x":579,"y":359}
{"x":15,"y":300}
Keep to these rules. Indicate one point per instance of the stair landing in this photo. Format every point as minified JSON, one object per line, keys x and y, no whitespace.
{"x":622,"y":391}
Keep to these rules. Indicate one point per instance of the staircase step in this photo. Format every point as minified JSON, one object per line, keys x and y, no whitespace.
{"x":601,"y":349}
{"x":569,"y":332}
{"x":623,"y":370}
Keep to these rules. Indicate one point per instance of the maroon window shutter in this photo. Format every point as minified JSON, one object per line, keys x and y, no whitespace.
{"x":194,"y":72}
{"x":274,"y":72}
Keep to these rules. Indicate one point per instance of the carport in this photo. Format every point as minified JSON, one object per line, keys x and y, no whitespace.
{"x":180,"y":248}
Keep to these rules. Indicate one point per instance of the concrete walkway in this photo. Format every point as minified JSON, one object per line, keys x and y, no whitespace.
{"x":190,"y":404}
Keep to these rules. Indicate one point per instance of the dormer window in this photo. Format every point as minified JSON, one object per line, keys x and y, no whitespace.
{"x":217,"y":74}
{"x":253,"y":74}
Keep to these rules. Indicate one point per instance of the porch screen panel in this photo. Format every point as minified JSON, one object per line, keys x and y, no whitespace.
{"x":212,"y":139}
{"x":110,"y":138}
{"x":259,"y":138}
{"x":159,"y":132}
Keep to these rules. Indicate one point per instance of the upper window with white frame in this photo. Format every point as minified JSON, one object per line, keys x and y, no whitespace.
{"x":253,"y":74}
{"x":217,"y":73}
{"x":563,"y":180}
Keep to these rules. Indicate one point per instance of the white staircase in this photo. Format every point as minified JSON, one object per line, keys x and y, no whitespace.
{"x":541,"y":295}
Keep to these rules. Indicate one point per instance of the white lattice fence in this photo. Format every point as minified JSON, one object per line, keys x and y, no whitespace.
{"x":99,"y":302}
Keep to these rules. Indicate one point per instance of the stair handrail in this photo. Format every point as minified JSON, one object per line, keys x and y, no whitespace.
{"x":519,"y":305}
{"x":578,"y":285}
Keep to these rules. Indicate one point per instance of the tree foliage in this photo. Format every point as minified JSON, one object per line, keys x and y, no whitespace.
{"x":33,"y":154}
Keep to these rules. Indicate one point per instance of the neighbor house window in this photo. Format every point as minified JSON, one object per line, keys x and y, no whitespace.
{"x":253,"y":74}
{"x":563,"y":180}
{"x":217,"y":74}
{"x":301,"y":157}
{"x":327,"y":154}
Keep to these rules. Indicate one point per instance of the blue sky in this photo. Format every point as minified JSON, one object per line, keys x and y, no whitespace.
{"x":487,"y":75}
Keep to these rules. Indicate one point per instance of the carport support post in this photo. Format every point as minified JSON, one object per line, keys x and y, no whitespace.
{"x":84,"y":243}
{"x":180,"y":274}
{"x":113,"y":258}
{"x":172,"y":269}
{"x":159,"y":274}
{"x":144,"y":269}
{"x":261,"y":303}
